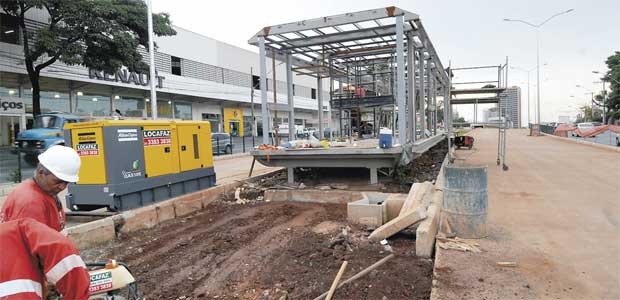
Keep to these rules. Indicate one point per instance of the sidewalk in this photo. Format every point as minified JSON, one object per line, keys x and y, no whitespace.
{"x":556,"y":213}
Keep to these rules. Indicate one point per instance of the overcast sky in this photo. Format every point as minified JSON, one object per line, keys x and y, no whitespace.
{"x":466,"y":33}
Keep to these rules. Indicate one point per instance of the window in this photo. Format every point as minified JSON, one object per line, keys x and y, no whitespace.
{"x":130,"y":106}
{"x":176,"y":65}
{"x":313,"y":94}
{"x":9,"y":29}
{"x":50,"y":101}
{"x":256,"y":81}
{"x":92,"y":105}
{"x":293,"y":89}
{"x":182,"y":110}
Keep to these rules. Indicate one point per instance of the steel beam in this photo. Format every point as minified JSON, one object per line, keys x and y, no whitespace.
{"x":319,"y":95}
{"x":263,"y":89}
{"x":411,"y":109}
{"x":400,"y":79}
{"x":421,"y":93}
{"x":335,"y":20}
{"x":291,"y":101}
{"x":341,"y":37}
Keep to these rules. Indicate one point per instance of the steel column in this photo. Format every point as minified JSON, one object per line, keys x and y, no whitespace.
{"x":421,"y":94}
{"x":319,"y":95}
{"x":291,"y":102}
{"x":400,"y":76}
{"x":411,"y":111}
{"x":431,"y":96}
{"x":263,"y":89}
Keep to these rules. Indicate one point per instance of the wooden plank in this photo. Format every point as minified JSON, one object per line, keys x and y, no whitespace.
{"x":415,"y":196}
{"x":401,"y":222}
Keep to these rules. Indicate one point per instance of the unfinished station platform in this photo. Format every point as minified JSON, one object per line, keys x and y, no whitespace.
{"x":361,"y":156}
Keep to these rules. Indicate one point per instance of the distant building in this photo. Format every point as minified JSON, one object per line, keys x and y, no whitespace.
{"x":564,"y":119}
{"x":489,"y":114}
{"x":510,"y":103}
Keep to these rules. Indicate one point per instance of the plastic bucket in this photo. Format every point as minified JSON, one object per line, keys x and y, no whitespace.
{"x":385,"y":138}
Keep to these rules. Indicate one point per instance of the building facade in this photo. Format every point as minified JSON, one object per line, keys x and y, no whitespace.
{"x":198,"y":78}
{"x":510,"y":104}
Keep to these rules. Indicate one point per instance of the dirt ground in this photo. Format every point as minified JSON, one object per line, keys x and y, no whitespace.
{"x":554,"y":213}
{"x":266,"y":250}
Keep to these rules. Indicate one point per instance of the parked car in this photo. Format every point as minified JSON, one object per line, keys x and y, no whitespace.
{"x":583,"y":126}
{"x":221,"y":144}
{"x":47,"y":131}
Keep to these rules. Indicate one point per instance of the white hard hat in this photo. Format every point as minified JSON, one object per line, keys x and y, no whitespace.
{"x":63,"y":162}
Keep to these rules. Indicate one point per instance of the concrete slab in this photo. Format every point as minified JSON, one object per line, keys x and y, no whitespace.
{"x":317,"y":196}
{"x":427,"y":230}
{"x":187,"y":204}
{"x":92,"y":233}
{"x":394,"y":203}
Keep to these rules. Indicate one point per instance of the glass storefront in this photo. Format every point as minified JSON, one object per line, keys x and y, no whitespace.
{"x":50,"y":101}
{"x":182,"y":110}
{"x":130,"y":106}
{"x":164,"y":108}
{"x":92,"y":105}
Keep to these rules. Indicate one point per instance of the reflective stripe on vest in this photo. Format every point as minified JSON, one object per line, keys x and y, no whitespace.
{"x":63,"y":267}
{"x":19,"y":286}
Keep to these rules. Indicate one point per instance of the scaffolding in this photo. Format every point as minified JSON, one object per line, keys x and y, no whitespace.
{"x":470,"y":92}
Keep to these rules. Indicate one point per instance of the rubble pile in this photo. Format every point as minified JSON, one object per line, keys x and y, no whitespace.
{"x":423,"y":168}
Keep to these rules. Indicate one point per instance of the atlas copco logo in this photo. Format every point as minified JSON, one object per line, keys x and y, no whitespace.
{"x":7,"y":104}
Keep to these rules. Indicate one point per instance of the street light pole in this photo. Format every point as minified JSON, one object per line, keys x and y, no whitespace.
{"x":537,"y":26}
{"x":537,"y":76}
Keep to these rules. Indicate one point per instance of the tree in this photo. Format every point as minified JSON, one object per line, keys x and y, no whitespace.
{"x":612,"y":103}
{"x":587,"y":114}
{"x":99,"y":34}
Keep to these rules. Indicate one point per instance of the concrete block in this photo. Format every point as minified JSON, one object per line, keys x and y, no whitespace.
{"x":440,"y":177}
{"x":426,"y":232}
{"x":401,"y":222}
{"x":92,"y":233}
{"x":141,"y":218}
{"x":331,"y":196}
{"x":371,"y":212}
{"x":277,"y":195}
{"x":393,"y":205}
{"x":214,"y":193}
{"x":187,"y":204}
{"x":165,"y":211}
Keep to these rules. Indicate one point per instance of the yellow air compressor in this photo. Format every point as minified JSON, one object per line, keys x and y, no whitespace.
{"x":128,"y":164}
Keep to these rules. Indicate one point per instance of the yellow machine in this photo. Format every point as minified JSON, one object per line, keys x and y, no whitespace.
{"x":127,"y":164}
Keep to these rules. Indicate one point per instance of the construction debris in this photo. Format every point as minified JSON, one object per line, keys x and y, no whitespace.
{"x":458,"y":244}
{"x":399,"y":223}
{"x":511,"y":264}
{"x":330,"y":294}
{"x":360,"y":274}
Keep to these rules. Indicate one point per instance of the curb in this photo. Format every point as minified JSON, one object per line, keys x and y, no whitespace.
{"x":591,"y":144}
{"x":107,"y":229}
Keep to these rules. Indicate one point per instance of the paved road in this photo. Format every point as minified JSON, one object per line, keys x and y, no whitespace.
{"x":606,"y":138}
{"x":556,"y":212}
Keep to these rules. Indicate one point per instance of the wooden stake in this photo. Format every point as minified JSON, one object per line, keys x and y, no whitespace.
{"x":336,"y":280}
{"x":360,"y":274}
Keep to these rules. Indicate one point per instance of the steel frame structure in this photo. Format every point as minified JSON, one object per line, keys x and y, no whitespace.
{"x":484,"y":95}
{"x":338,"y":46}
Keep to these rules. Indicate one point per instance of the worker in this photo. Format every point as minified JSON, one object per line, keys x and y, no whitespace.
{"x":37,"y":198}
{"x":33,"y":253}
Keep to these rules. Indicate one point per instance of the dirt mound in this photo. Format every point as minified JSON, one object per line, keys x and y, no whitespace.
{"x":265,"y":250}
